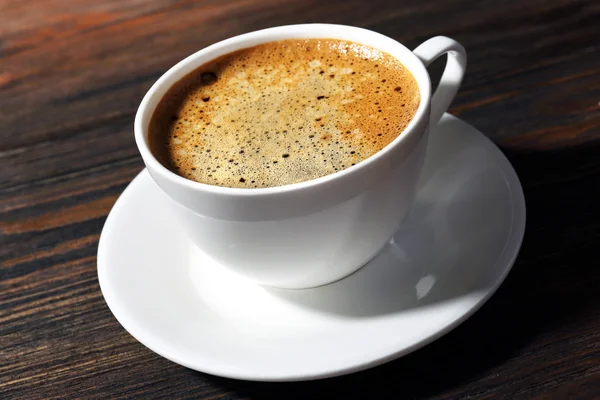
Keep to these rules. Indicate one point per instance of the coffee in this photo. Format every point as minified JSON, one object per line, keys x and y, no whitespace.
{"x":282,"y":112}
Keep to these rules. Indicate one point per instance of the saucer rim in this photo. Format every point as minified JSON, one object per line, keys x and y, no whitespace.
{"x":217,"y":368}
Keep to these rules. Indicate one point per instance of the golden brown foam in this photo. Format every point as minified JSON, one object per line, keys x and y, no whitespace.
{"x":282,"y":112}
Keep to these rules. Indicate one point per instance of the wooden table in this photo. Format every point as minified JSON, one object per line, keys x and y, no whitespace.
{"x":72,"y":74}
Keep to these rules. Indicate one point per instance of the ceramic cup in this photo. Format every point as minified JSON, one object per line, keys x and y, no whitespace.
{"x":315,"y":232}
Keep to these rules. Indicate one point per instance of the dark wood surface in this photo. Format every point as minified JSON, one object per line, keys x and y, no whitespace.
{"x":72,"y":73}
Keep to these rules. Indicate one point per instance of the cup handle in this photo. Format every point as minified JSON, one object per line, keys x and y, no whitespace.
{"x":453,"y":73}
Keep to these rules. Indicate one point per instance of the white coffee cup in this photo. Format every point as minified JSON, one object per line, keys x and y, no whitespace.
{"x":315,"y":232}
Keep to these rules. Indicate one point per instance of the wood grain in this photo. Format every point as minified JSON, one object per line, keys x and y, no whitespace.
{"x":72,"y":74}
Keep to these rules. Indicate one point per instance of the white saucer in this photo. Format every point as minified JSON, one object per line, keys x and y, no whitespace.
{"x":457,"y":245}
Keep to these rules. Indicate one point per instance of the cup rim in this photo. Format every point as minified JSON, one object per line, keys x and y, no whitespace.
{"x":321,"y":31}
